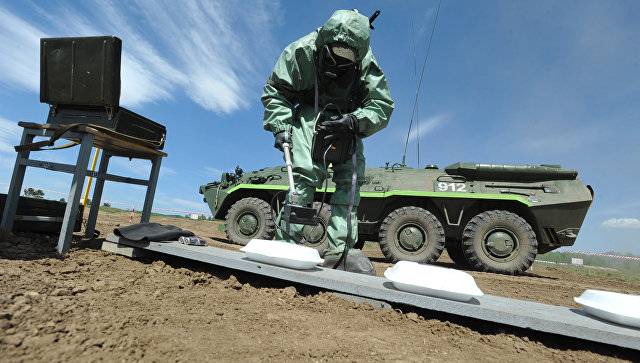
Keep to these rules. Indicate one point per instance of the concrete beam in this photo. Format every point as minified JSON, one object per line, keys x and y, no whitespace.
{"x":553,"y":319}
{"x":123,"y":250}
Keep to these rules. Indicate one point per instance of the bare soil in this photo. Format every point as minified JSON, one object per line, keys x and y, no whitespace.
{"x":91,"y":306}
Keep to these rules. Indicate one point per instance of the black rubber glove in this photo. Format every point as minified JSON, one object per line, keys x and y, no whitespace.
{"x":281,"y":138}
{"x":340,"y":125}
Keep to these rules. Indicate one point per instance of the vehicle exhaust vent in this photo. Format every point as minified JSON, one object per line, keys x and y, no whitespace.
{"x":552,"y":236}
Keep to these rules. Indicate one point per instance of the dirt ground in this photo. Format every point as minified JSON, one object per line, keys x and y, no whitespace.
{"x":94,"y":306}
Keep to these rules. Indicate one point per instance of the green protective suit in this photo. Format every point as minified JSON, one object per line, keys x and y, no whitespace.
{"x":293,"y":81}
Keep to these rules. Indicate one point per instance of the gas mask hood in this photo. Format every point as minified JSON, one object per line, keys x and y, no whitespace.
{"x":342,"y":43}
{"x":349,"y":28}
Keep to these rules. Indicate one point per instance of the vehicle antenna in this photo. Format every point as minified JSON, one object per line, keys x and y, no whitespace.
{"x":424,"y":64}
{"x":415,"y":76}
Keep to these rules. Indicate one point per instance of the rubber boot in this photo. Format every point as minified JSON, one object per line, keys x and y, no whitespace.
{"x":355,"y":261}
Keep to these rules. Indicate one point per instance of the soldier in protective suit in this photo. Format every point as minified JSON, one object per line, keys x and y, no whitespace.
{"x":328,"y":80}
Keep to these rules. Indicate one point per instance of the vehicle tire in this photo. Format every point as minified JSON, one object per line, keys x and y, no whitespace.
{"x":499,"y":241}
{"x":454,"y":250}
{"x":316,"y":236}
{"x":411,"y":234}
{"x":249,"y":218}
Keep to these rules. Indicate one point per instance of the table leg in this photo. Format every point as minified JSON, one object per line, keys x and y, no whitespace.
{"x":71,"y":212}
{"x":97,"y":195}
{"x":151,"y":189}
{"x":17,"y":178}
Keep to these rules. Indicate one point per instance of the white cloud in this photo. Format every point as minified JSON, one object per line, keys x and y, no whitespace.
{"x":211,"y":171}
{"x":622,"y":223}
{"x":9,"y":135}
{"x":213,"y":44}
{"x":146,"y":76}
{"x":426,"y":126}
{"x":205,"y":49}
{"x":20,"y":49}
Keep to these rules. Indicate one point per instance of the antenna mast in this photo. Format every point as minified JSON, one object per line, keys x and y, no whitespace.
{"x":424,"y":64}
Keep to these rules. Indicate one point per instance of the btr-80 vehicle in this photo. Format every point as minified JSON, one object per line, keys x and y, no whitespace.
{"x":493,"y":218}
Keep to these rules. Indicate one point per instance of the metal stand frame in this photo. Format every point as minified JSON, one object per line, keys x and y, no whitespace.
{"x":79,"y":171}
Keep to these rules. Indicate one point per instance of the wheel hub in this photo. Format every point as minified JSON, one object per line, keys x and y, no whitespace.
{"x":247,"y":224}
{"x":313,"y":234}
{"x":500,"y":243}
{"x":411,"y":238}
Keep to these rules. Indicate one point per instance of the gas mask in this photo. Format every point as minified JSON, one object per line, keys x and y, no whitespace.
{"x":338,"y":73}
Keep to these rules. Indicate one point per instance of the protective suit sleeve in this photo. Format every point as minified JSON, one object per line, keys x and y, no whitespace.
{"x":290,"y":76}
{"x":377,"y":104}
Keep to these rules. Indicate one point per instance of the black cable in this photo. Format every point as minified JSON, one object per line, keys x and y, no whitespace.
{"x":324,"y":194}
{"x":349,"y":219}
{"x":326,"y":185}
{"x":297,"y":241}
{"x":326,"y":179}
{"x":345,"y":252}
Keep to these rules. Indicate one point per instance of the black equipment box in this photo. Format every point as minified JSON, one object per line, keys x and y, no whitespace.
{"x":122,"y":121}
{"x":336,"y":151}
{"x":80,"y":71}
{"x":40,"y":215}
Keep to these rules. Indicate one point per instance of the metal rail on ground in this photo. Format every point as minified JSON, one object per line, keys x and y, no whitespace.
{"x":546,"y":318}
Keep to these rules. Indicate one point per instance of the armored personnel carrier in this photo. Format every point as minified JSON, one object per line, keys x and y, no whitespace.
{"x":493,"y":218}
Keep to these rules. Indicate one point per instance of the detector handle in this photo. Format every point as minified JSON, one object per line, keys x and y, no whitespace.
{"x":293,"y":196}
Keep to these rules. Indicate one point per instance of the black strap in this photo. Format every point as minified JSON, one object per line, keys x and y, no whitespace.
{"x":352,"y":201}
{"x":58,"y":133}
{"x":40,"y":145}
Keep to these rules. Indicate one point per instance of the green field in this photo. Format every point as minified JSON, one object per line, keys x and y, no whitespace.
{"x":631,"y":267}
{"x":109,"y":209}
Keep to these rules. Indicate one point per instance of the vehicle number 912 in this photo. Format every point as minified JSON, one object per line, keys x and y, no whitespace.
{"x":451,"y":187}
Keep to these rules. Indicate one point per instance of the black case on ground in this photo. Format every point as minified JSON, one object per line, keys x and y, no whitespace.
{"x":80,"y":71}
{"x":122,"y":120}
{"x":32,"y":207}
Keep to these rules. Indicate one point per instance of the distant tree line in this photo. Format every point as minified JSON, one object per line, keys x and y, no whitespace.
{"x":34,"y":193}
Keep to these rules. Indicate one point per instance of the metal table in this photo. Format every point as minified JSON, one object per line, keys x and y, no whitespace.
{"x":87,"y":137}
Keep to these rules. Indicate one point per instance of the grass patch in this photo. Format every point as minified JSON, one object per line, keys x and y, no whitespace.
{"x":111,"y":209}
{"x":137,"y":212}
{"x":625,"y":266}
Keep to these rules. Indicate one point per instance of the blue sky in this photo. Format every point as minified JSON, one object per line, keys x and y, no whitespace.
{"x":508,"y":82}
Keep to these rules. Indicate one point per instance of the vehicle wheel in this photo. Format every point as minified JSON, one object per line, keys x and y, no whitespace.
{"x":249,"y":218}
{"x":411,"y":234}
{"x":316,"y":236}
{"x":454,"y":250}
{"x":499,"y":241}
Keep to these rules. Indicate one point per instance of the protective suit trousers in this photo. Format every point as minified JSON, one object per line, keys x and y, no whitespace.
{"x":309,"y":175}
